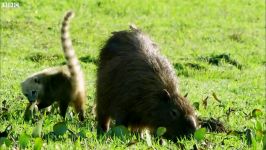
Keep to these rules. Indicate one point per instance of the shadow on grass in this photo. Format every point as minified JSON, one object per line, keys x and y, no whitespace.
{"x":85,"y":59}
{"x":195,"y":66}
{"x":41,"y":57}
{"x":89,"y":59}
{"x":237,"y":36}
{"x":183,"y":68}
{"x":217,"y":59}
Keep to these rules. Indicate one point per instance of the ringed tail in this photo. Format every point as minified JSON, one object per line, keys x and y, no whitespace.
{"x":70,"y":56}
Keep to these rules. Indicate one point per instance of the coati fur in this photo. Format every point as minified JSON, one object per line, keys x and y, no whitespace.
{"x":138,"y":88}
{"x":62,"y":84}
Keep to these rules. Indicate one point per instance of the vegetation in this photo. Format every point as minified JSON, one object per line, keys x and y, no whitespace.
{"x":216,"y":47}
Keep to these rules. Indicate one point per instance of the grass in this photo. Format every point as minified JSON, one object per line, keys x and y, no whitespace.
{"x":192,"y":34}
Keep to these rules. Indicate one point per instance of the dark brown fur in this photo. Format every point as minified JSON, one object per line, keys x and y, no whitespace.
{"x":64,"y":84}
{"x":137,"y":87}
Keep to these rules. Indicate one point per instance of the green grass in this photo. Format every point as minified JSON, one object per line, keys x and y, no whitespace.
{"x":189,"y":33}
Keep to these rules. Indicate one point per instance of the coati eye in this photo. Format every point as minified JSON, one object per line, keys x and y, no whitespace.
{"x":174,"y":113}
{"x":33,"y":92}
{"x":36,"y":80}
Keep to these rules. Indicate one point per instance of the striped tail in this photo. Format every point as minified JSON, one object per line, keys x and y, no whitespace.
{"x":70,"y":56}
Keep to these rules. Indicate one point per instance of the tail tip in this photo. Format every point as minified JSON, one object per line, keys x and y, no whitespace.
{"x":70,"y":14}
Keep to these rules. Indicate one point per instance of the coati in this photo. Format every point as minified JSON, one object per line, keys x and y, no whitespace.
{"x":62,"y":84}
{"x":137,"y":87}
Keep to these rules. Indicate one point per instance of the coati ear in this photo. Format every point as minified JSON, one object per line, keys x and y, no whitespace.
{"x":164,"y":95}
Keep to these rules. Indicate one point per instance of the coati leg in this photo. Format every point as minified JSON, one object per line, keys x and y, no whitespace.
{"x":79,"y":106}
{"x":63,"y":108}
{"x":103,"y":123}
{"x":44,"y":104}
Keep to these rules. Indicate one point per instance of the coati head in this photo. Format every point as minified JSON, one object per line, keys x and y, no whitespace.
{"x":175,"y":114}
{"x":32,"y":88}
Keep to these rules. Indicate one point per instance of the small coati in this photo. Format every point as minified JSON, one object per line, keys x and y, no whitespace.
{"x":62,"y":84}
{"x":137,"y":87}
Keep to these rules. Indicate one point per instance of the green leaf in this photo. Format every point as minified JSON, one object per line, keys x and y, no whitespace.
{"x":235,"y":133}
{"x":37,"y":131}
{"x":38,"y":144}
{"x":254,"y":143}
{"x":215,"y":97}
{"x":205,"y":102}
{"x":24,"y":140}
{"x":249,"y":137}
{"x":82,"y":134}
{"x":6,"y":141}
{"x":78,"y":145}
{"x":259,"y":135}
{"x":196,"y":105}
{"x":119,"y":131}
{"x":256,"y":113}
{"x":160,"y":131}
{"x":264,"y":141}
{"x":60,"y":128}
{"x":258,"y":125}
{"x":200,"y":134}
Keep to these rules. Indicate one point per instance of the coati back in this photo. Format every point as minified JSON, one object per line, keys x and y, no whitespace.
{"x":63,"y":84}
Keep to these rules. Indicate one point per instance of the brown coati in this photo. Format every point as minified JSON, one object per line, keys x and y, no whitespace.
{"x":137,"y":87}
{"x":62,"y":84}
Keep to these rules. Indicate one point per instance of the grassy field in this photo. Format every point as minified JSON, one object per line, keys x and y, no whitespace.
{"x":217,"y":48}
